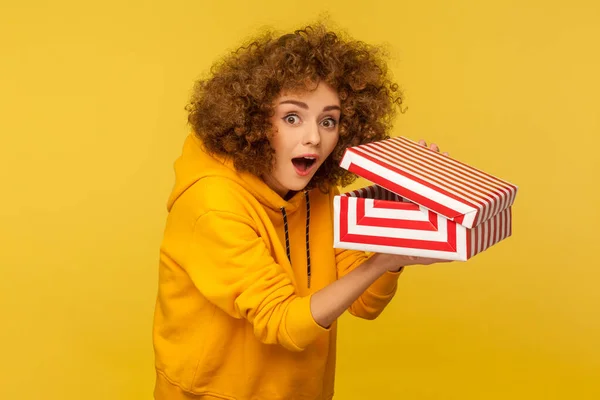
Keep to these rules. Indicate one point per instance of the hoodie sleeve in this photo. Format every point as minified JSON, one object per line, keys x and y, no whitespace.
{"x":377,"y":296}
{"x":240,"y":276}
{"x":374,"y":300}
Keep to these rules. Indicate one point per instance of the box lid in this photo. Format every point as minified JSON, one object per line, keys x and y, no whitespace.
{"x":437,"y":182}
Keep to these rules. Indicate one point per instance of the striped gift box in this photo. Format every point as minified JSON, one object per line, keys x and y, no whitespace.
{"x":422,"y":203}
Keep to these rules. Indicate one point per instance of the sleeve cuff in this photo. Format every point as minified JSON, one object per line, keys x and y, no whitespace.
{"x":300,"y":324}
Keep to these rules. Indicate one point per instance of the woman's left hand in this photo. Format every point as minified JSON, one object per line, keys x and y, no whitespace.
{"x":433,"y":146}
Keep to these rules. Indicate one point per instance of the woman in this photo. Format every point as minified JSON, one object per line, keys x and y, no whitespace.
{"x":250,"y":286}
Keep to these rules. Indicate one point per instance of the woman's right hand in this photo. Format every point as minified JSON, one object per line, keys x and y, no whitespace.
{"x":395,"y":262}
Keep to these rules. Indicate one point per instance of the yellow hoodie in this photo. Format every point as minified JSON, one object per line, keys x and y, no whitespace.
{"x":233,"y":317}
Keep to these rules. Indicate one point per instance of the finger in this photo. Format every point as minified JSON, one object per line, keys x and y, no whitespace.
{"x":446,"y":153}
{"x":423,"y":143}
{"x":434,"y":147}
{"x":429,"y":261}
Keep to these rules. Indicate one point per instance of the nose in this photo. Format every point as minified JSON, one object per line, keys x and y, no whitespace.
{"x":311,"y":135}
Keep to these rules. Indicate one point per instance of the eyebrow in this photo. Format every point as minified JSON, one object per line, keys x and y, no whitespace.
{"x":305,"y":106}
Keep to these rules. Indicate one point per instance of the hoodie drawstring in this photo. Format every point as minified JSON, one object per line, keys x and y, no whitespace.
{"x":307,"y":238}
{"x":287,"y":236}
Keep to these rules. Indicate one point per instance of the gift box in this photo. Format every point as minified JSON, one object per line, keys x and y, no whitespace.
{"x":421,"y":203}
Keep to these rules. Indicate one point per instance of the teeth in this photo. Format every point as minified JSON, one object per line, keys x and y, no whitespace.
{"x":310,"y":158}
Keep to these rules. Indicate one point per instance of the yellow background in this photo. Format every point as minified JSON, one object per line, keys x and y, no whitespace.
{"x":91,"y":119}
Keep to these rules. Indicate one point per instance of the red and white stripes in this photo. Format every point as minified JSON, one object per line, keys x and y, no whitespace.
{"x":439,"y":183}
{"x":490,"y":232}
{"x":396,"y":227}
{"x":422,"y":203}
{"x":374,"y":192}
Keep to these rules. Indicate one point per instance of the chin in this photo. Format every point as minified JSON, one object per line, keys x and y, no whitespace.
{"x":297,"y":187}
{"x":299,"y":183}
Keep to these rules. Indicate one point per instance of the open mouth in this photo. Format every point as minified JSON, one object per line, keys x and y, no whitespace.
{"x":304,"y":165}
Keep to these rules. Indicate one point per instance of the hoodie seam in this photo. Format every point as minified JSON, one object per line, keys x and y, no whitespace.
{"x":243,"y":217}
{"x":192,"y":391}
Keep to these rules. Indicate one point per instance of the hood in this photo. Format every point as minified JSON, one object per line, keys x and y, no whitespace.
{"x":196,"y":163}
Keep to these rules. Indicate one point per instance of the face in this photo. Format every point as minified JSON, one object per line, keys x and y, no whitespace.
{"x":306,"y":132}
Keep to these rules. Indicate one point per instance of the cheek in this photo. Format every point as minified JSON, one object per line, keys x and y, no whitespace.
{"x":276,"y":140}
{"x":281,"y":143}
{"x":329,"y":143}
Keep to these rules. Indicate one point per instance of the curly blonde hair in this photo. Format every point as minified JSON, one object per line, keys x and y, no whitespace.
{"x":230,"y":110}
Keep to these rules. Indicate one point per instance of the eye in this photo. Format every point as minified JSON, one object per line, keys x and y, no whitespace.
{"x":292,"y":119}
{"x":329,"y":123}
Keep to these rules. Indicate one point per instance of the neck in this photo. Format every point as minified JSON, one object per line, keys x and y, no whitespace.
{"x":289,"y":195}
